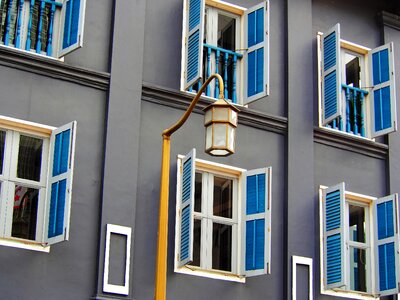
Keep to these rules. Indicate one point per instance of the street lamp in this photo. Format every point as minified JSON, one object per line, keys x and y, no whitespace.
{"x":220,"y":123}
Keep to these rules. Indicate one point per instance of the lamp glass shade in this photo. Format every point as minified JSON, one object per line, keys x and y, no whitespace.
{"x":219,"y":133}
{"x":233,"y":117}
{"x":221,"y":114}
{"x":231,"y":138}
{"x":209,"y":137}
{"x":208,"y":116}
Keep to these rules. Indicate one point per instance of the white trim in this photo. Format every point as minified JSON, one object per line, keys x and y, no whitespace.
{"x":300,"y":260}
{"x":108,"y":287}
{"x":24,"y":244}
{"x":192,"y":270}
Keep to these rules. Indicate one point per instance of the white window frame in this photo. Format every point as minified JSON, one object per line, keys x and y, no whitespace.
{"x":210,"y":169}
{"x":359,"y":200}
{"x":362,"y":53}
{"x":14,"y":128}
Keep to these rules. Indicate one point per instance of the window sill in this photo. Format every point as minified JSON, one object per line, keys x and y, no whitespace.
{"x":348,"y":294}
{"x":349,"y":142}
{"x":196,"y":271}
{"x":24,"y":244}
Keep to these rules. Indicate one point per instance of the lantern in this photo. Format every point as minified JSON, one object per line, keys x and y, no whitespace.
{"x":220,"y":121}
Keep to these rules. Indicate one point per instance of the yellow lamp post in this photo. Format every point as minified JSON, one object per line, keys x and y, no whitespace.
{"x":220,"y":123}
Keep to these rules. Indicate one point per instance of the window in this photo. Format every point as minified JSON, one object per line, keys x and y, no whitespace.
{"x":36,"y":166}
{"x":223,"y":220}
{"x":47,"y":27}
{"x":360,"y":243}
{"x":357,"y":87}
{"x":213,"y":43}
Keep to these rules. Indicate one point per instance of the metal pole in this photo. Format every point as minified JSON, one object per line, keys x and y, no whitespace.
{"x":160,"y":289}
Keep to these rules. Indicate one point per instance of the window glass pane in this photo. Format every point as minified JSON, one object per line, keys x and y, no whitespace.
{"x":2,"y":146}
{"x":29,"y":158}
{"x":197,"y":192}
{"x":353,"y":69}
{"x":226,"y":32}
{"x":357,"y":223}
{"x":196,"y":243}
{"x":222,"y":205}
{"x":25,"y":212}
{"x":358,"y":269}
{"x":222,"y":247}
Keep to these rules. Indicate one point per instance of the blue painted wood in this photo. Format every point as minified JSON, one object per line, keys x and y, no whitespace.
{"x":330,"y":95}
{"x":234,"y":99}
{"x":222,"y":50}
{"x":385,"y":220}
{"x":28,"y":36}
{"x":217,"y":54}
{"x":255,"y":241}
{"x":67,"y":24}
{"x":355,"y":122}
{"x":61,"y":153}
{"x":334,"y":258}
{"x":334,"y":125}
{"x":185,"y":234}
{"x":348,"y":127}
{"x":193,"y":56}
{"x":362,"y":116}
{"x":332,"y":210}
{"x":57,"y":208}
{"x":330,"y":51}
{"x":208,"y":91}
{"x":50,"y":35}
{"x":40,"y":28}
{"x":8,"y":23}
{"x":19,"y":24}
{"x":194,"y":13}
{"x":225,"y":68}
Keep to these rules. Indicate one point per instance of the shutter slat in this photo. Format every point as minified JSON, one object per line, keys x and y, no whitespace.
{"x":383,"y":102}
{"x":257,"y":222}
{"x":186,"y":208}
{"x":257,"y":56}
{"x":331,"y":85}
{"x":386,"y":245}
{"x":333,"y":213}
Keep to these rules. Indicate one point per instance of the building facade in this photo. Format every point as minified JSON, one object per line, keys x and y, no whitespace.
{"x":306,"y":208}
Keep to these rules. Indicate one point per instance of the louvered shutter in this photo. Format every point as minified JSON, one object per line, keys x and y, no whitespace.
{"x":59,"y":183}
{"x":331,"y":75}
{"x":334,"y":245}
{"x":386,"y":245}
{"x":186,"y":209}
{"x":71,"y":29}
{"x":257,"y":222}
{"x":193,"y":36}
{"x":257,"y":55}
{"x":383,"y":94}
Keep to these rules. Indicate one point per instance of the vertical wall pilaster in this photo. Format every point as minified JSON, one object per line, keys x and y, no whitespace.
{"x":300,"y":206}
{"x":122,"y":126}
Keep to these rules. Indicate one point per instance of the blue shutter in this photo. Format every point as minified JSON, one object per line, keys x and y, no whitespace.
{"x":257,"y":222}
{"x":331,"y":75}
{"x":72,"y":21}
{"x":333,"y":227}
{"x":186,"y":208}
{"x":386,"y":245}
{"x":257,"y":55}
{"x":193,"y":35}
{"x":383,"y":95}
{"x":59,"y":183}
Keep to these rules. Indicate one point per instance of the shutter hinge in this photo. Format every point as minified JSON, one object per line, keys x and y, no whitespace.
{"x":267,"y":32}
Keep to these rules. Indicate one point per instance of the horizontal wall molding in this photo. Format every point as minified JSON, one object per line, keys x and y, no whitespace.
{"x":391,"y":20}
{"x":347,"y":142}
{"x":53,"y":68}
{"x":180,"y":100}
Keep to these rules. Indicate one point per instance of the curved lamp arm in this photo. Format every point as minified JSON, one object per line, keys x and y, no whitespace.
{"x":162,"y":238}
{"x":168,"y":132}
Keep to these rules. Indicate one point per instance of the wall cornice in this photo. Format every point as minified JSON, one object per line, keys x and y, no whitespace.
{"x":181,"y":100}
{"x":391,"y":20}
{"x":53,"y":68}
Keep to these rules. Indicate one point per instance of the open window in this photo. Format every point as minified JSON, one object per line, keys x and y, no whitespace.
{"x":357,"y":86}
{"x":232,"y":41}
{"x":51,"y":28}
{"x":223,"y":220}
{"x":36,"y":170}
{"x":360,"y":243}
